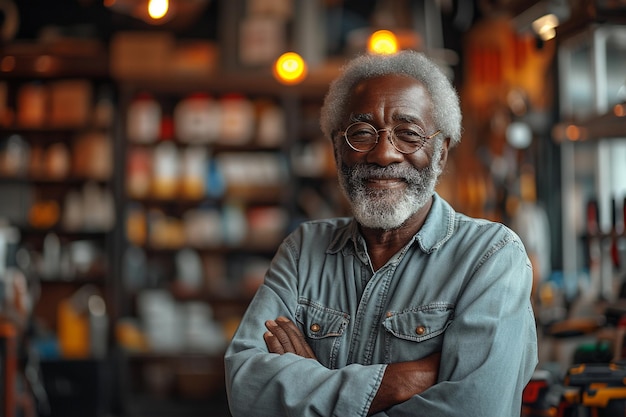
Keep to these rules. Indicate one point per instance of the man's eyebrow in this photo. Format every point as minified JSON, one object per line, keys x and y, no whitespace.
{"x":361,"y":117}
{"x":407,"y":118}
{"x":401,"y":117}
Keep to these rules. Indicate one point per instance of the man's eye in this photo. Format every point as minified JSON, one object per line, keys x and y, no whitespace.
{"x":362,"y":134}
{"x":409,"y":135}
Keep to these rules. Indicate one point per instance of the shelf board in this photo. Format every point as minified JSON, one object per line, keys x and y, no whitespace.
{"x":214,"y":147}
{"x":96,"y":278}
{"x":252,"y":81}
{"x":246,"y":194}
{"x":266,"y":250}
{"x":180,"y":292}
{"x":49,"y":132}
{"x":70,"y":180}
{"x":65,"y":233}
{"x":66,"y":58}
{"x":610,"y":125}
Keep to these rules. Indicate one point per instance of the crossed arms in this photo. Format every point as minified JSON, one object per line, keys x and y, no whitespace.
{"x":400,"y":381}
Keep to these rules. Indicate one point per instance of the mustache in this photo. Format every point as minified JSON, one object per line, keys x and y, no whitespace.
{"x":363,"y":171}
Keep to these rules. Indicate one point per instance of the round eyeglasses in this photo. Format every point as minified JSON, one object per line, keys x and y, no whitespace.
{"x":405,"y":137}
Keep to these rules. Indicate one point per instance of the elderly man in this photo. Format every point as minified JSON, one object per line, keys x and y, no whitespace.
{"x":406,"y":309}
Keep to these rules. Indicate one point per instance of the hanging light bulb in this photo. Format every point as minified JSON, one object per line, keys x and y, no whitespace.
{"x":383,"y":42}
{"x":157,"y":9}
{"x":545,"y":26}
{"x":290,"y":68}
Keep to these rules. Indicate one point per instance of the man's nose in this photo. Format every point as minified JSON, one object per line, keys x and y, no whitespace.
{"x":384,"y":153}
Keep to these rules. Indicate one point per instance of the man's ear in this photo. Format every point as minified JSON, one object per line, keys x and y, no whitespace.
{"x":443,"y":159}
{"x":336,"y":145}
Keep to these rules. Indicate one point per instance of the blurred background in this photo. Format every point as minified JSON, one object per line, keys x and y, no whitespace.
{"x":154,"y":153}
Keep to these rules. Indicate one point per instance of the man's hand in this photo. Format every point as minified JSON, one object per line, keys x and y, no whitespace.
{"x":403,"y":380}
{"x":283,"y":336}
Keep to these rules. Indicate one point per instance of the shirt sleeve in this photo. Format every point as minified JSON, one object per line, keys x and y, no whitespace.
{"x":259,"y":383}
{"x":490,"y":349}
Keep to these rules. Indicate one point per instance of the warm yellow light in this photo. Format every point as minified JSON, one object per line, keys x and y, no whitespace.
{"x":157,"y":9}
{"x":545,"y":26}
{"x":573,"y":133}
{"x":290,"y":68}
{"x":383,"y":42}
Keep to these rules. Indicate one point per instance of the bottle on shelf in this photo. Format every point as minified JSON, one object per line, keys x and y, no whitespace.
{"x":166,"y":164}
{"x":197,"y":119}
{"x":144,"y":119}
{"x":238,"y":120}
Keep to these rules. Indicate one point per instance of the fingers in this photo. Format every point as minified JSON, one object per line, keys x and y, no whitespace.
{"x":284,"y":336}
{"x":272,"y":343}
{"x":296,"y":340}
{"x":281,"y":337}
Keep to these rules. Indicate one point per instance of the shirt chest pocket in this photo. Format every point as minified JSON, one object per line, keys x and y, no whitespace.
{"x":323,"y":328}
{"x":416,"y":333}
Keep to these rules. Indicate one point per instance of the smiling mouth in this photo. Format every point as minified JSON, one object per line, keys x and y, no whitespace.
{"x":385,"y":182}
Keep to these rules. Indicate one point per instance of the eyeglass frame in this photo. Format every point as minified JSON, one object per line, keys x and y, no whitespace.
{"x":391,"y":135}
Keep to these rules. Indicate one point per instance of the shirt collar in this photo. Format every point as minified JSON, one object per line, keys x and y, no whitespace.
{"x":437,"y":229}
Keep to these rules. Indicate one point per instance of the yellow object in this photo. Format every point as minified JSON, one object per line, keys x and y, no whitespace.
{"x":136,"y":227}
{"x":157,"y":9}
{"x":192,"y":188}
{"x":383,"y":42}
{"x":600,"y":394}
{"x":290,"y":68}
{"x":73,"y":331}
{"x":130,"y":337}
{"x":44,"y":214}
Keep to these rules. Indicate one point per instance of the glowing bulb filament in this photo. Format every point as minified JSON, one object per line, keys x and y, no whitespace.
{"x":290,"y":68}
{"x":383,"y":42}
{"x":157,"y":9}
{"x":545,"y":26}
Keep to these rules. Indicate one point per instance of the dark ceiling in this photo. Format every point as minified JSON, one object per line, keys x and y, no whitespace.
{"x":91,"y":19}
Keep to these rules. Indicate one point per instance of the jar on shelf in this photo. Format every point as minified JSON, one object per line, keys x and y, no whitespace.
{"x":92,"y":155}
{"x":271,"y":124}
{"x":139,"y":172}
{"x":193,"y":168}
{"x":104,"y":109}
{"x":166,"y":163}
{"x":238,"y":120}
{"x":197,"y":119}
{"x":57,"y":161}
{"x":32,"y":105}
{"x":144,"y":119}
{"x":14,"y":156}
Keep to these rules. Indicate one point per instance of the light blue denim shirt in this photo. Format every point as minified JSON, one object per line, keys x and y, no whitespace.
{"x":460,"y":286}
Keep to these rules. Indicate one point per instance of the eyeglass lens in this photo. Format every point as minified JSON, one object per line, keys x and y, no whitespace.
{"x":405,"y":137}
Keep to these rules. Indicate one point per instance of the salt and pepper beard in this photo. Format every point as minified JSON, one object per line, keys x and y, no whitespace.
{"x":388,"y":209}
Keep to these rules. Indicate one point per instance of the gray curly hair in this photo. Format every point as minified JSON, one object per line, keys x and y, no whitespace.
{"x":447,"y":111}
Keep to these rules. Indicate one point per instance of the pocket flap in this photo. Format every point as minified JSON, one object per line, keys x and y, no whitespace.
{"x":421,"y":323}
{"x":319,"y":322}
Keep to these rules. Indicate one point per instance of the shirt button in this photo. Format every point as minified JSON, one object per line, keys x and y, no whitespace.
{"x":420,"y":330}
{"x":315,"y":327}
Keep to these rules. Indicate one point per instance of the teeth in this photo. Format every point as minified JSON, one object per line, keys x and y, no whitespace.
{"x":385,"y":180}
